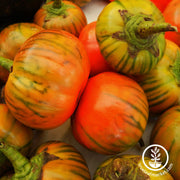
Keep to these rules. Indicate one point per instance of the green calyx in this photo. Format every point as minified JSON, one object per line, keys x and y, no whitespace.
{"x":56,"y":8}
{"x":122,"y":168}
{"x":175,"y":68}
{"x":24,"y":168}
{"x":141,"y":32}
{"x":6,"y":63}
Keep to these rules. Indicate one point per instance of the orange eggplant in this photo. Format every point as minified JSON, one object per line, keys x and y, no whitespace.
{"x":11,"y":39}
{"x":162,"y":84}
{"x":61,"y":15}
{"x":14,"y":133}
{"x":54,"y":160}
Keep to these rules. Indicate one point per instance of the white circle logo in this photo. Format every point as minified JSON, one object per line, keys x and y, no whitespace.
{"x":155,"y":163}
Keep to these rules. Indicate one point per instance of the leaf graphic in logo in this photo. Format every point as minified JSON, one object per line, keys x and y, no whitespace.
{"x":152,"y":155}
{"x":159,"y":154}
{"x":155,"y":149}
{"x":155,"y":158}
{"x":152,"y":151}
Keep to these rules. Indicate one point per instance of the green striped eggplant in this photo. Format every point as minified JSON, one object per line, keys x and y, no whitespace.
{"x":166,"y":132}
{"x":11,"y":39}
{"x":129,"y":33}
{"x":48,"y":76}
{"x":14,"y":133}
{"x":111,"y":115}
{"x":61,"y":15}
{"x":162,"y":84}
{"x":128,"y":167}
{"x":54,"y":160}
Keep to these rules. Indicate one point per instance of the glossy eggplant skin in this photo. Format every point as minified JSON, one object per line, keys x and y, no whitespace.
{"x":128,"y":33}
{"x":162,"y":84}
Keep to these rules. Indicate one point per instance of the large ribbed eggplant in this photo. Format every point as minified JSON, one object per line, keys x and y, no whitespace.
{"x":54,"y":160}
{"x":129,"y":35}
{"x":49,"y":74}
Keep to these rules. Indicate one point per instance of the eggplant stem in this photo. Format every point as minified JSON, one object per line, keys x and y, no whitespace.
{"x":149,"y":28}
{"x":23,"y":167}
{"x":19,"y":162}
{"x":57,"y":4}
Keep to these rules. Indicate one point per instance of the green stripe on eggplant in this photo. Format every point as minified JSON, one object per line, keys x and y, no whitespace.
{"x":16,"y":110}
{"x":136,"y":125}
{"x":178,"y":109}
{"x":119,"y":62}
{"x":156,"y":131}
{"x":51,"y":43}
{"x":77,"y":157}
{"x":154,"y":88}
{"x":120,"y":3}
{"x":102,"y":148}
{"x":148,"y":81}
{"x":31,"y":84}
{"x":125,"y":58}
{"x":29,"y":105}
{"x":12,"y":104}
{"x":175,"y":102}
{"x":82,"y":22}
{"x":171,"y":146}
{"x":124,"y":146}
{"x":142,"y":102}
{"x":107,"y":46}
{"x":143,"y":67}
{"x":80,"y":167}
{"x":154,"y":98}
{"x":66,"y":150}
{"x":75,"y":28}
{"x":132,"y":65}
{"x":78,"y":160}
{"x":158,"y":102}
{"x":19,"y":28}
{"x":85,"y":169}
{"x":79,"y":174}
{"x":132,"y":105}
{"x":107,"y":55}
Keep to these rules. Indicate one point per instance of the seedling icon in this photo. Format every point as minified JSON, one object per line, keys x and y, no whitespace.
{"x":154,"y":151}
{"x":155,"y":158}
